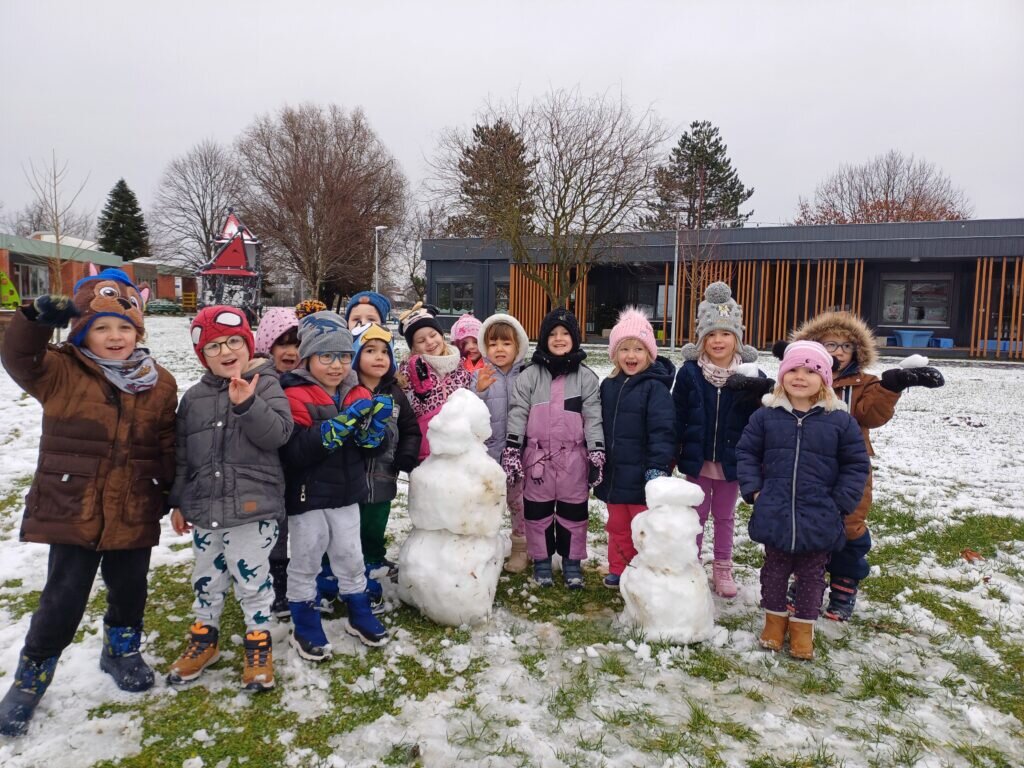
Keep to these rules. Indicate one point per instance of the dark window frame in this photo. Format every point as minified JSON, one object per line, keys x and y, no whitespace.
{"x":908,"y":280}
{"x":449,"y":307}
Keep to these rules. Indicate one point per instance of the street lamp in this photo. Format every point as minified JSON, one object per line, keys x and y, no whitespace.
{"x":376,"y":256}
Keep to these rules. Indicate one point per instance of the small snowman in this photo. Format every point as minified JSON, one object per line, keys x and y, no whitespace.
{"x":452,"y":559}
{"x":664,"y":587}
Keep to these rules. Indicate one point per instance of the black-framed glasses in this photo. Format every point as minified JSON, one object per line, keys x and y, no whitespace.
{"x":327,"y":358}
{"x":846,"y":346}
{"x":213,"y":349}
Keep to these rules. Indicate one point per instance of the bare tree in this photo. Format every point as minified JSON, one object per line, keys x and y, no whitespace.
{"x":889,"y":187}
{"x":406,"y":268}
{"x":34,"y":218}
{"x":193,"y":198}
{"x":592,"y":164}
{"x":317,"y":183}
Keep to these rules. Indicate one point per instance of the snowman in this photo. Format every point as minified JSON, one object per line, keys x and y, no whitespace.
{"x":452,"y":559}
{"x":664,"y":587}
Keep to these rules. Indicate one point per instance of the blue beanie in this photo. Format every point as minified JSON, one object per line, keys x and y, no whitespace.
{"x":379,"y":301}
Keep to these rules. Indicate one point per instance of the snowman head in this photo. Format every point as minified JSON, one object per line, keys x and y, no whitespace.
{"x":461,"y":426}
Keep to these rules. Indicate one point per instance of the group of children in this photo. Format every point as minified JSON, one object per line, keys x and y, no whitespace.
{"x":282,"y":461}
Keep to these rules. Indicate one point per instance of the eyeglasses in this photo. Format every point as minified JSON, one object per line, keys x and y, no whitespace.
{"x":328,"y":358}
{"x":846,"y":346}
{"x":213,"y":349}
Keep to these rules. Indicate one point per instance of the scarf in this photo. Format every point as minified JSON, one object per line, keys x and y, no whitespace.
{"x":715,"y":374}
{"x":136,"y":374}
{"x":559,"y":365}
{"x":444,"y":364}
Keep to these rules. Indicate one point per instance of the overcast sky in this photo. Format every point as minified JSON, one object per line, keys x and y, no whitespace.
{"x":120,"y":88}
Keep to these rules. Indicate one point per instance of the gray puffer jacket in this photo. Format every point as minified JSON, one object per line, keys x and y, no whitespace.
{"x":498,"y":396}
{"x":228,"y":468}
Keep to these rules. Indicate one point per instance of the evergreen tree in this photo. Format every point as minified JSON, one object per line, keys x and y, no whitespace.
{"x":699,"y":184}
{"x":122,"y":229}
{"x":495,"y":184}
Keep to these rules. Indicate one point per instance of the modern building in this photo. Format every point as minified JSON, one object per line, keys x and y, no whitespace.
{"x":954,"y":284}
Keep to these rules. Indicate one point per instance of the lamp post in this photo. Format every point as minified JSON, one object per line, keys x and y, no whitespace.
{"x":376,"y":256}
{"x":675,"y":284}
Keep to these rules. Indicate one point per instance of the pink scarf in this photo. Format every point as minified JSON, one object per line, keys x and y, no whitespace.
{"x":715,"y":374}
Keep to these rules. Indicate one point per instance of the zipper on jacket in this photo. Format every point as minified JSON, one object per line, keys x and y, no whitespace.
{"x":796,"y":463}
{"x":611,"y":444}
{"x":302,"y":492}
{"x":718,"y":405}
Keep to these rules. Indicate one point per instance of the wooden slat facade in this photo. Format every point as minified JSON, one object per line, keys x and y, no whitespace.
{"x":997,"y":319}
{"x":528,"y":301}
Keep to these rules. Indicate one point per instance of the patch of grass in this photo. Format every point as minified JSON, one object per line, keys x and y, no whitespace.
{"x":821,"y":757}
{"x":891,"y":686}
{"x":968,"y":529}
{"x":1004,"y":685}
{"x":568,"y":699}
{"x":613,"y":666}
{"x":577,"y":633}
{"x":820,"y":680}
{"x":531,"y":661}
{"x":403,"y":754}
{"x":981,"y":756}
{"x":706,"y":662}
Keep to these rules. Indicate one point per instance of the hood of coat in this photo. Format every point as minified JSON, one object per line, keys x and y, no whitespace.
{"x":779,"y":400}
{"x":845,"y":325}
{"x":522,"y":340}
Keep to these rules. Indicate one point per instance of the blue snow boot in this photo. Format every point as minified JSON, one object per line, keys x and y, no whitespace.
{"x":122,"y":661}
{"x":30,"y":683}
{"x":326,"y":588}
{"x":542,"y":575}
{"x":572,"y":573}
{"x":361,"y":623}
{"x":308,"y":638}
{"x":376,"y":594}
{"x":842,"y":597}
{"x":379,"y":565}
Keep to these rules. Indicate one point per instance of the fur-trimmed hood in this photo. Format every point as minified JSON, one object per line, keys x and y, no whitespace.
{"x":522,"y":340}
{"x":830,"y":403}
{"x":845,"y":325}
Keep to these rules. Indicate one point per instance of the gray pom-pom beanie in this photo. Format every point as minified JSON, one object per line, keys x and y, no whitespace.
{"x":720,"y":312}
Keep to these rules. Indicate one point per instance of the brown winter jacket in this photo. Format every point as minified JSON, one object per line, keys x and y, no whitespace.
{"x":106,"y":458}
{"x":871,"y":404}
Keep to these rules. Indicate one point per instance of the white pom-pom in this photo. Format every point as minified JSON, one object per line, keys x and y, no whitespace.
{"x":748,"y":369}
{"x":914,"y":361}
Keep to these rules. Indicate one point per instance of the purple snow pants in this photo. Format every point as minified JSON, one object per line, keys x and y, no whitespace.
{"x":809,"y":569}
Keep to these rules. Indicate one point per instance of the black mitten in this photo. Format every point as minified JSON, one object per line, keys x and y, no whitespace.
{"x":898,"y":379}
{"x":753,"y":384}
{"x":779,"y":348}
{"x":55,"y":311}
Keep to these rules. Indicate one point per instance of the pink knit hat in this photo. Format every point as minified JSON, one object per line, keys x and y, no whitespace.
{"x":632,"y":324}
{"x":466,"y":327}
{"x":810,"y":355}
{"x":275,"y":321}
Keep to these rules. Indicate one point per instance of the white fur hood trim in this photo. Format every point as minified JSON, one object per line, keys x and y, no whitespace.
{"x":772,"y":400}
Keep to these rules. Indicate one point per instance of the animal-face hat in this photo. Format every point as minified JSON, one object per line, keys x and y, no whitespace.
{"x":109,"y":293}
{"x":364,"y":334}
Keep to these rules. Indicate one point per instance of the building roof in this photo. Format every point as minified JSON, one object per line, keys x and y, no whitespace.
{"x":47,"y":250}
{"x":897,"y":241}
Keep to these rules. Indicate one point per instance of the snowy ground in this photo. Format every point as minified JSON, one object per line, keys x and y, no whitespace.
{"x":930,"y":672}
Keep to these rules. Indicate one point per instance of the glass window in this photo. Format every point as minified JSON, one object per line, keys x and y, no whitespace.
{"x":454,"y":298}
{"x":909,"y":301}
{"x":501,"y":297}
{"x":30,"y":280}
{"x":894,"y":301}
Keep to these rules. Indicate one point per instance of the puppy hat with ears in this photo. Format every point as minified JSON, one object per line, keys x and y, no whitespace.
{"x":109,"y":293}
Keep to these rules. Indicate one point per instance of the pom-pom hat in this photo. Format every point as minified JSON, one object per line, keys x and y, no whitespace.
{"x":213,"y":322}
{"x":379,"y":301}
{"x":275,"y":322}
{"x":309,"y":307}
{"x":810,"y":355}
{"x":632,"y":324}
{"x":719,"y":312}
{"x":419,"y":316}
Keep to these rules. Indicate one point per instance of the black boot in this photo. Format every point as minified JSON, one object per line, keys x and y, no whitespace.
{"x":30,"y":683}
{"x":279,"y":574}
{"x":122,"y":661}
{"x":842,"y":597}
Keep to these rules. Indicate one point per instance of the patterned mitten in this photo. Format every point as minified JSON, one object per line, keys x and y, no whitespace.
{"x":512,"y":463}
{"x":375,"y":427}
{"x":419,"y":376}
{"x":334,"y":432}
{"x":652,"y":474}
{"x":596,"y":473}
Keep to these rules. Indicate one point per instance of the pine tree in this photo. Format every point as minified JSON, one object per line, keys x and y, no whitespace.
{"x":495,"y":188}
{"x":699,"y":184}
{"x":122,"y":229}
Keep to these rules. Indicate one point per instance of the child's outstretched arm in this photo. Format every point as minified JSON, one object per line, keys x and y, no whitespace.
{"x":854,"y":466}
{"x":265,"y":416}
{"x":36,"y":369}
{"x":750,"y":457}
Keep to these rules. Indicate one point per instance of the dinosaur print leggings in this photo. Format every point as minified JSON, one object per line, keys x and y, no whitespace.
{"x":239,"y":556}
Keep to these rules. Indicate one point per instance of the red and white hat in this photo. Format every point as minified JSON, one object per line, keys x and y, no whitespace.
{"x":213,"y":322}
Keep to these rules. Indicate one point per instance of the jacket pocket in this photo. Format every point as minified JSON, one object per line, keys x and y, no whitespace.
{"x":148,"y":492}
{"x":256,"y":490}
{"x":65,"y":489}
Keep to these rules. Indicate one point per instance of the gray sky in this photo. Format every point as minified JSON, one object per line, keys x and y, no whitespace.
{"x":120,"y":88}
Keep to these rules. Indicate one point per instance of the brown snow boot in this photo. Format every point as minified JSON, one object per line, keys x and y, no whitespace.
{"x":517,"y":561}
{"x":201,"y":652}
{"x":258,"y":674}
{"x":774,"y":630}
{"x":801,"y":638}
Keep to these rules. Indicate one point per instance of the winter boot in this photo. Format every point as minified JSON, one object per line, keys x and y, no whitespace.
{"x":774,"y":633}
{"x":326,"y":588}
{"x":30,"y":683}
{"x":258,"y":674}
{"x":279,"y":573}
{"x":517,"y":560}
{"x":841,"y":598}
{"x":202,"y":651}
{"x":122,"y":661}
{"x":801,"y":638}
{"x":542,"y":574}
{"x":572,"y":573}
{"x":612,"y":580}
{"x":361,"y":623}
{"x":392,"y":568}
{"x":376,"y":594}
{"x":721,"y":574}
{"x":791,"y":598}
{"x":308,"y":638}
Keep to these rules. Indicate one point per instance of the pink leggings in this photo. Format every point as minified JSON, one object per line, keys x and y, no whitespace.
{"x":620,"y":535}
{"x":720,"y":498}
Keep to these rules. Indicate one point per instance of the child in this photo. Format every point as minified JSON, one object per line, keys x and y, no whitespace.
{"x":374,"y":364}
{"x":326,"y":481}
{"x":639,"y":431}
{"x":105,"y":465}
{"x":367,"y":307}
{"x":505,"y":344}
{"x":710,"y":418}
{"x":802,"y":464}
{"x":433,"y":371}
{"x":464,"y":336}
{"x":229,"y":491}
{"x":871,"y":401}
{"x":556,"y":442}
{"x":277,"y":337}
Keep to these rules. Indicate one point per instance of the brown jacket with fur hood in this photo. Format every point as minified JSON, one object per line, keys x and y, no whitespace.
{"x":871,"y":404}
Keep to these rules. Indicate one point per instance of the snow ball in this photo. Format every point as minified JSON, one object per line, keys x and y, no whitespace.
{"x":748,"y":369}
{"x":914,"y":361}
{"x":673,"y":492}
{"x":643,"y":652}
{"x":577,"y":660}
{"x":592,"y":652}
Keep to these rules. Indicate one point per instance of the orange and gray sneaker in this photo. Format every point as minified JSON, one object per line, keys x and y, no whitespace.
{"x":201,"y":652}
{"x":258,"y":674}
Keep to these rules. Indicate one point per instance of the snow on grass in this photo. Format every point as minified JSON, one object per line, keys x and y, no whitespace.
{"x":930,"y":673}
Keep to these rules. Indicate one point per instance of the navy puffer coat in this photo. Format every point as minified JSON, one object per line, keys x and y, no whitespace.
{"x":809,"y":472}
{"x":709,"y":421}
{"x":639,"y":431}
